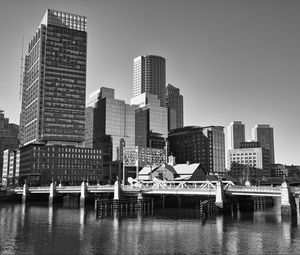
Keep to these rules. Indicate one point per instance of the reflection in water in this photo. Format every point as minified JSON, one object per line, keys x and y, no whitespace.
{"x":30,"y":229}
{"x":220,"y":231}
{"x":82,"y":222}
{"x":50,"y":218}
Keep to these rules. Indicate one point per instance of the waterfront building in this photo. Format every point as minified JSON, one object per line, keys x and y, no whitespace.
{"x":5,"y":167}
{"x":204,"y":145}
{"x":151,"y":121}
{"x":109,"y":125}
{"x":250,"y":161}
{"x":174,"y":103}
{"x":149,"y":76}
{"x":54,"y":81}
{"x":112,"y":170}
{"x":264,"y":135}
{"x":40,"y":164}
{"x":235,"y":135}
{"x":11,"y":167}
{"x":9,"y":140}
{"x":189,"y":144}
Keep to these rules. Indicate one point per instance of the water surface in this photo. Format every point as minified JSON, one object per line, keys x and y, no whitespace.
{"x":67,"y":229}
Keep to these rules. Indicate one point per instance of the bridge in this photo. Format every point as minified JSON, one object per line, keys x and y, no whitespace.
{"x":219,"y":189}
{"x":66,"y":189}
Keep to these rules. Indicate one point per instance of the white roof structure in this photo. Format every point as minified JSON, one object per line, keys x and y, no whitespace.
{"x":184,"y":171}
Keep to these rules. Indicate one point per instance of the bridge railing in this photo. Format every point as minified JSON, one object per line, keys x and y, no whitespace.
{"x":67,"y":187}
{"x":181,"y":185}
{"x":255,"y":188}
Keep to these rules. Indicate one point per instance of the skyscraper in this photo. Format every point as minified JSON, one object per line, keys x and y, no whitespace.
{"x":235,"y":134}
{"x":174,"y":103}
{"x":151,"y":121}
{"x":149,"y":75}
{"x":109,"y":123}
{"x":264,"y":135}
{"x":54,"y":84}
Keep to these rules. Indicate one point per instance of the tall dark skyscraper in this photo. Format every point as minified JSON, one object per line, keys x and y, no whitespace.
{"x":54,"y":84}
{"x":264,"y":135}
{"x":149,"y":75}
{"x":174,"y":103}
{"x":235,"y":135}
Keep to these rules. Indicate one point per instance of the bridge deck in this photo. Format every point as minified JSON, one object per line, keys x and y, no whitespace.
{"x":170,"y":187}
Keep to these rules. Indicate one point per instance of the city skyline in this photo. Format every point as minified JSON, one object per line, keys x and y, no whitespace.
{"x":233,"y":60}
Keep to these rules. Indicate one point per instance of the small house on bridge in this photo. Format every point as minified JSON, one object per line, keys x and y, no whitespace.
{"x":172,"y":171}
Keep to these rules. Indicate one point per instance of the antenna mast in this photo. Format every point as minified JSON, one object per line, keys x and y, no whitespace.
{"x":21,"y":71}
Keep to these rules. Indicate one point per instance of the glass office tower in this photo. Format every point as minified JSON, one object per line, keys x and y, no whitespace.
{"x":235,"y":135}
{"x":264,"y":135}
{"x":54,"y":83}
{"x":149,"y":75}
{"x":174,"y":103}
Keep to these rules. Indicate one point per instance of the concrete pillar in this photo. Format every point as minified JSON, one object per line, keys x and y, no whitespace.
{"x":285,"y":199}
{"x":219,"y":195}
{"x":83,"y":193}
{"x":139,"y":204}
{"x":25,"y":193}
{"x":117,"y":190}
{"x":52,"y":192}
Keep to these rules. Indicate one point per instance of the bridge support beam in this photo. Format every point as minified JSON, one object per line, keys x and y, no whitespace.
{"x":219,"y":195}
{"x":83,"y":193}
{"x":116,"y":194}
{"x":52,"y":192}
{"x":117,"y":190}
{"x":25,"y":193}
{"x":288,"y":206}
{"x":139,"y":204}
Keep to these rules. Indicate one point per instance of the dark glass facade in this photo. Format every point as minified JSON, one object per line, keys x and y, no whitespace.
{"x":189,"y":144}
{"x":174,"y":103}
{"x":141,"y":126}
{"x":204,"y":145}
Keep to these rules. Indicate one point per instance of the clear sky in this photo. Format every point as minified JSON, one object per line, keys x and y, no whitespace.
{"x":232,"y":60}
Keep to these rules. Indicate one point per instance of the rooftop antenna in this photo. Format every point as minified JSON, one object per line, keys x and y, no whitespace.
{"x":21,"y":71}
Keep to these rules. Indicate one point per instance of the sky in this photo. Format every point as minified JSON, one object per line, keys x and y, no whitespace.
{"x":232,"y":60}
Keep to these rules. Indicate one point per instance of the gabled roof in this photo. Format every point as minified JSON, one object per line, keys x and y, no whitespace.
{"x":168,"y":167}
{"x":186,"y":168}
{"x":146,"y":170}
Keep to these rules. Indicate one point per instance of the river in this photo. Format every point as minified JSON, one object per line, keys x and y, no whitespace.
{"x":67,"y":229}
